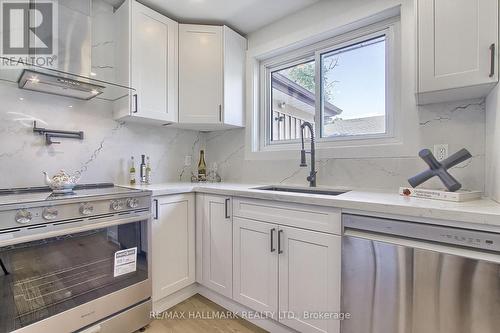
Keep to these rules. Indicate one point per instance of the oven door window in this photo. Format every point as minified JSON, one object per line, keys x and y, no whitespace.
{"x":42,"y":278}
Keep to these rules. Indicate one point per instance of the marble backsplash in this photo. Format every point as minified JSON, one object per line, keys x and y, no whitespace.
{"x":104,"y":153}
{"x":461,"y":125}
{"x":102,"y":156}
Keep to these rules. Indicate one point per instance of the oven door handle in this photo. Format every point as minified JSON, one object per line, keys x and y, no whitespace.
{"x":469,"y":252}
{"x":68,"y":229}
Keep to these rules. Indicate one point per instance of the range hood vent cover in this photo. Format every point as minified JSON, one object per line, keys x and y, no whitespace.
{"x":83,"y":63}
{"x":51,"y":84}
{"x":51,"y":81}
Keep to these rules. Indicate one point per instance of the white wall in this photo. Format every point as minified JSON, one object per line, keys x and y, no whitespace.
{"x":320,"y":18}
{"x":493,"y":144}
{"x":109,"y":144}
{"x":103,"y":154}
{"x":460,"y":124}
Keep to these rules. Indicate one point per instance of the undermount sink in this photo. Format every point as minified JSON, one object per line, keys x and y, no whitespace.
{"x":309,"y":190}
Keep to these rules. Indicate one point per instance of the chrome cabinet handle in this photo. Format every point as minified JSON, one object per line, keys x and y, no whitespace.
{"x":220,"y":112}
{"x":226,"y":210}
{"x":156,"y":209}
{"x":136,"y":105}
{"x":273,"y":230}
{"x":280,"y":251}
{"x":492,"y":63}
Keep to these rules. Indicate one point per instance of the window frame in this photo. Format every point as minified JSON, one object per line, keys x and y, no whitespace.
{"x":386,"y":28}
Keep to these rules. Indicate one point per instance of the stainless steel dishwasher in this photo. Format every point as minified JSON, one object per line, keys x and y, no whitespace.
{"x":405,"y":277}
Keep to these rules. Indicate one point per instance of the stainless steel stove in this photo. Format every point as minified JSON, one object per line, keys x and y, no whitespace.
{"x":77,"y":262}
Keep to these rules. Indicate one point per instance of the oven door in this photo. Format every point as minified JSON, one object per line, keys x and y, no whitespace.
{"x":67,"y":276}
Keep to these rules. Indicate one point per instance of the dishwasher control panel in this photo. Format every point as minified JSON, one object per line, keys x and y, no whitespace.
{"x":476,"y":240}
{"x":427,"y":232}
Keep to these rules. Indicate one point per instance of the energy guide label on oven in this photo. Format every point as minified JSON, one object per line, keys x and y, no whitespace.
{"x":125,"y":261}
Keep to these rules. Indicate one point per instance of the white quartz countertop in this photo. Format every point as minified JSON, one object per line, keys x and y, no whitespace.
{"x":483,"y":212}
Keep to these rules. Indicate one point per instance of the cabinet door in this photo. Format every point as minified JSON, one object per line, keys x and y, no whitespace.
{"x":173,"y":244}
{"x":255,"y":264}
{"x":309,"y":279}
{"x":454,"y":39}
{"x":235,"y":47}
{"x":217,"y":245}
{"x":200,"y":74}
{"x":154,"y":64}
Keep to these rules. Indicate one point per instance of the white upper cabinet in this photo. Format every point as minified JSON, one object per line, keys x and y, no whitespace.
{"x":148,"y":48}
{"x":457,"y":49}
{"x":211,"y":77}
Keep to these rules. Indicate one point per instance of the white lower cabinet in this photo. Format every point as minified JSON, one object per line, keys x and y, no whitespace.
{"x":255,"y":265}
{"x":173,"y":244}
{"x":309,"y":279}
{"x":217,"y":244}
{"x":290,"y":273}
{"x":262,"y":259}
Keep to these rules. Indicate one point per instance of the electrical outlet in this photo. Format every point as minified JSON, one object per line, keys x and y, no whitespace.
{"x":188,"y":160}
{"x":441,"y":152}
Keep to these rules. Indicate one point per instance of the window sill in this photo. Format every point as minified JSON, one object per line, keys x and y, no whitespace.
{"x":386,"y":148}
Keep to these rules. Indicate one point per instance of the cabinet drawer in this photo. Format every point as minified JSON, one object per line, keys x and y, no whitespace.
{"x":324,"y":219}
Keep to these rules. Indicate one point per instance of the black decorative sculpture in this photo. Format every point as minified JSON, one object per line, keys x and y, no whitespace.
{"x":440,"y":169}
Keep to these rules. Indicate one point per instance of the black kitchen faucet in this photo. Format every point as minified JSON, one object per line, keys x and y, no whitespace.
{"x":312,"y":176}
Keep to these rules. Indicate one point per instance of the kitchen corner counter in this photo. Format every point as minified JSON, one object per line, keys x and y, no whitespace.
{"x":483,"y":212}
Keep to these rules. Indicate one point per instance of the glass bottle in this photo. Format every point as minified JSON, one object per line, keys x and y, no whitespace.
{"x":202,"y":167}
{"x":148,"y":171}
{"x":131,"y":172}
{"x":143,"y":169}
{"x":213,"y":176}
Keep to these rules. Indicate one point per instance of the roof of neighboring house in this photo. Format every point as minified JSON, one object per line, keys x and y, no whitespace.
{"x":290,"y":88}
{"x":346,"y":127}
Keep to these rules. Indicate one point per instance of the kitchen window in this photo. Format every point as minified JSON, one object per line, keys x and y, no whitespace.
{"x":341,"y":85}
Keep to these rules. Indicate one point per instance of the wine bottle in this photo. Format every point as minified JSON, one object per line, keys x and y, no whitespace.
{"x":148,"y":171}
{"x":143,"y":169}
{"x":202,"y":167}
{"x":131,"y":171}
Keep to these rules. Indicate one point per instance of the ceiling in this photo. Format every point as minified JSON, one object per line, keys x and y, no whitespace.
{"x":245,"y":16}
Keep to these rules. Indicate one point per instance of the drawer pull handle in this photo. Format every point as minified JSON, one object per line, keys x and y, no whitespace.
{"x":136,"y":105}
{"x":280,"y":251}
{"x":273,"y":230}
{"x":226,"y":208}
{"x":492,"y":63}
{"x":156,"y":209}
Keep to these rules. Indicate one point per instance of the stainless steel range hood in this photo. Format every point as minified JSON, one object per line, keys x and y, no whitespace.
{"x":83,"y":63}
{"x":57,"y":85}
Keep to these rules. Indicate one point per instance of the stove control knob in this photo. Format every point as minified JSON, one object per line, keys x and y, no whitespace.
{"x":86,"y":209}
{"x":23,"y":216}
{"x":49,"y":213}
{"x":133,"y":203}
{"x":117,"y":205}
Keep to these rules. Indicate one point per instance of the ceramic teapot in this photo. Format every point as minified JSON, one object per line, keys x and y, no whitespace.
{"x":61,"y":182}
